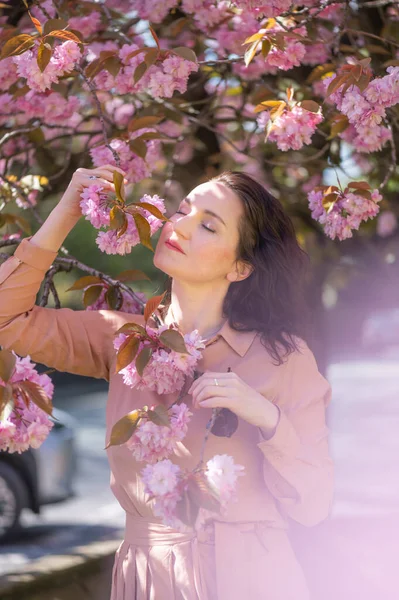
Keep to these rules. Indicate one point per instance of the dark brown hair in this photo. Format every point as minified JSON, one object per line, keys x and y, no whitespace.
{"x":272,"y":299}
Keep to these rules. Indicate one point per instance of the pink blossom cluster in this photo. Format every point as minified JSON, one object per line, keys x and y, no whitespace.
{"x":366,"y":110}
{"x":151,"y":442}
{"x":96,"y":208}
{"x":222,"y":474}
{"x":86,"y":25}
{"x":26,"y":427}
{"x":166,"y":371}
{"x":129,"y":304}
{"x":293,"y":53}
{"x":293,"y":128}
{"x":260,"y":8}
{"x":165,"y":482}
{"x":160,"y":80}
{"x":161,"y":482}
{"x":387,"y":223}
{"x":63,"y":60}
{"x":136,"y":168}
{"x":348,"y":212}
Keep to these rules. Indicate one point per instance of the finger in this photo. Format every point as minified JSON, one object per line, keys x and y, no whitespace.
{"x":214,"y":402}
{"x":209,"y":375}
{"x":105,"y":173}
{"x":208,"y":392}
{"x":112,"y":168}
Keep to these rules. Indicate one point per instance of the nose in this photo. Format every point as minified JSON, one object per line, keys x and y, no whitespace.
{"x":182,"y":227}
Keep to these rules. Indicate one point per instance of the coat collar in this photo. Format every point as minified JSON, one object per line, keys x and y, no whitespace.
{"x":240,"y":341}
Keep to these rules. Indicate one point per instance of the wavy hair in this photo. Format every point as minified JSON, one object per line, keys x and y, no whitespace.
{"x":272,"y":300}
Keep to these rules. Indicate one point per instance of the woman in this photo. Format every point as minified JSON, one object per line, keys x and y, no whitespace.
{"x":237,"y":279}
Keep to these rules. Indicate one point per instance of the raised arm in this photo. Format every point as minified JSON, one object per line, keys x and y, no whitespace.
{"x":67,"y":340}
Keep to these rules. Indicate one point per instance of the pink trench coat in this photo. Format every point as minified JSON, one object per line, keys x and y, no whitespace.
{"x":244,"y":554}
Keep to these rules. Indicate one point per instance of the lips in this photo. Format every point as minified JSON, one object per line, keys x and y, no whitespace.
{"x":174,"y":245}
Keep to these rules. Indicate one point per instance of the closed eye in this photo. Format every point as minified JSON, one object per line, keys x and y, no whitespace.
{"x":179,"y":212}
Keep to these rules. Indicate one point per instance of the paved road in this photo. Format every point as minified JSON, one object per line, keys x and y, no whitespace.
{"x":358,"y":548}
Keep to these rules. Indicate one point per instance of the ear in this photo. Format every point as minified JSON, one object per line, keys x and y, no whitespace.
{"x":242,"y":271}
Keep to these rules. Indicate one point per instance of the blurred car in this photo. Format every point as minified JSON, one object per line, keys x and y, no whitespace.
{"x":38,"y":476}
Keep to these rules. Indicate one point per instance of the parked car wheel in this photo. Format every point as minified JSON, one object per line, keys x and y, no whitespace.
{"x":13,"y":495}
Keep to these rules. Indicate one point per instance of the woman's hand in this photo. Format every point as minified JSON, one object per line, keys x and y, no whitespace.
{"x":70,"y":201}
{"x":233,"y":393}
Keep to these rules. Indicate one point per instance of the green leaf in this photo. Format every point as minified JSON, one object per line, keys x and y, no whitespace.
{"x":123,"y":429}
{"x":7,"y":364}
{"x":84,"y":282}
{"x":127,"y":353}
{"x":92,"y":294}
{"x":174,"y":340}
{"x":143,"y":359}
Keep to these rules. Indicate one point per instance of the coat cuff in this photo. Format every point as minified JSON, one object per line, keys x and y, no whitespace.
{"x":35,"y":256}
{"x":285,"y":440}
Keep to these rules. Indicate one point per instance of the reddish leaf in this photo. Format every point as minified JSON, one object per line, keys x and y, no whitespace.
{"x":6,"y":402}
{"x":113,"y":297}
{"x":147,"y":121}
{"x":36,"y":23}
{"x":113,"y":65}
{"x":359,"y":185}
{"x":123,"y":429}
{"x":132,"y":275}
{"x":130,"y":328}
{"x":310,"y":105}
{"x":117,"y":218}
{"x":185,"y":53}
{"x":144,"y":231}
{"x":17,"y":45}
{"x":138,"y":147}
{"x":127,"y":353}
{"x":159,"y":416}
{"x":143,"y":359}
{"x":54,"y":25}
{"x":7,"y":364}
{"x":154,"y":35}
{"x":92,"y":294}
{"x":84,"y":282}
{"x":43,"y":56}
{"x":152,"y":209}
{"x":151,"y":56}
{"x":174,"y":340}
{"x":250,"y":53}
{"x":118,"y":183}
{"x":152,"y":305}
{"x":61,"y":34}
{"x":139,"y":72}
{"x":37,"y":395}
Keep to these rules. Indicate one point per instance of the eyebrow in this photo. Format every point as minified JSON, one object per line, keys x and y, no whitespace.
{"x":206,"y":211}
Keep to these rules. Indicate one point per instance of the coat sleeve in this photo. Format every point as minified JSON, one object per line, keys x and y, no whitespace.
{"x":74,"y":341}
{"x":297,"y":466}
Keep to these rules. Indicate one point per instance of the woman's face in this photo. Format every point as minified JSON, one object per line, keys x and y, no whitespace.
{"x":205,"y":226}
